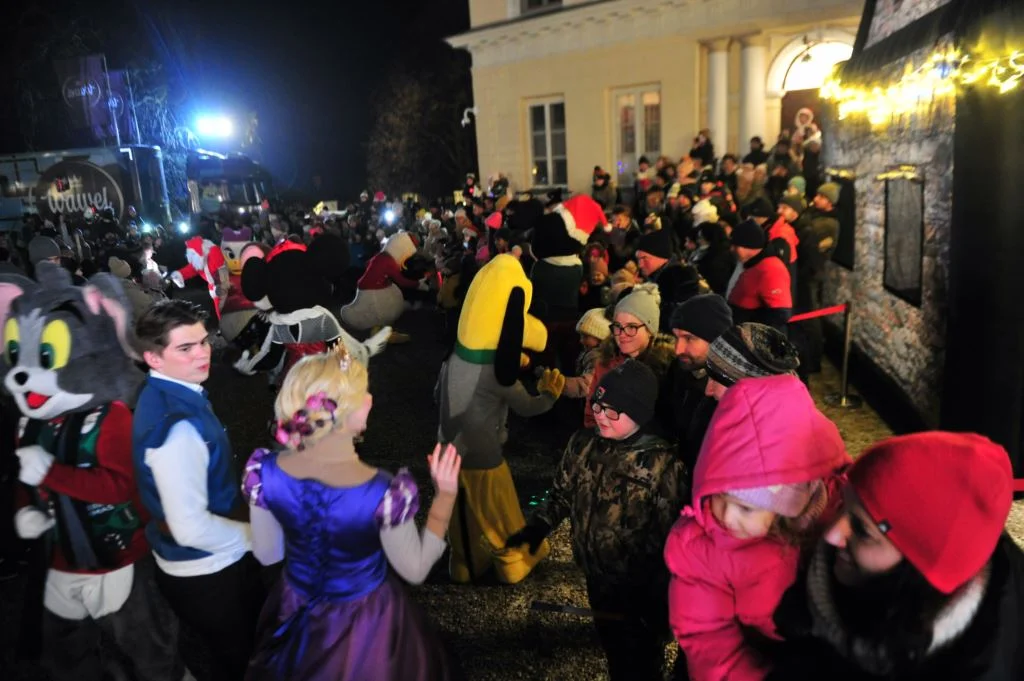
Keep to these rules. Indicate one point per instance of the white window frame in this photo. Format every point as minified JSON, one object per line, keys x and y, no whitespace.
{"x":547,"y":4}
{"x":549,"y":156}
{"x":639,"y":122}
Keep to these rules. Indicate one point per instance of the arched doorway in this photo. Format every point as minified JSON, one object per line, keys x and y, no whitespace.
{"x":796,"y":73}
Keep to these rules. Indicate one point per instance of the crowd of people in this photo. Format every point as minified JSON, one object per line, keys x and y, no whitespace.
{"x":709,"y":500}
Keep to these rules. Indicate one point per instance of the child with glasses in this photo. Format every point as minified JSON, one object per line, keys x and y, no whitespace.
{"x":621,"y":487}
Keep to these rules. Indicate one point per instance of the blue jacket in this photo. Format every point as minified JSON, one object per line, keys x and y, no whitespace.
{"x":161,"y":405}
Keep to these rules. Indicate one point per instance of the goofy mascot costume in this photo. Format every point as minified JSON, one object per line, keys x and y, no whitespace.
{"x":477,"y":386}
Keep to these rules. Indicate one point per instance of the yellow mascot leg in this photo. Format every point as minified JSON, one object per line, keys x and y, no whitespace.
{"x":491,"y":512}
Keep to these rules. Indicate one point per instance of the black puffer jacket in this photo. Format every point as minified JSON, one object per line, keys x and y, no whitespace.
{"x":716,"y":263}
{"x":990,"y":646}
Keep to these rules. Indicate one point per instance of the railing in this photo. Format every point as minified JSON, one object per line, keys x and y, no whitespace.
{"x":843,"y":399}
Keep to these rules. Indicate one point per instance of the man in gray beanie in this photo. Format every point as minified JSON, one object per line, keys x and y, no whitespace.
{"x":42,"y":248}
{"x":696,"y":324}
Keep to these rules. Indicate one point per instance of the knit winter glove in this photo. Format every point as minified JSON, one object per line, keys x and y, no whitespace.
{"x":35,"y":464}
{"x":533,"y":534}
{"x":31,"y":523}
{"x":551,"y":382}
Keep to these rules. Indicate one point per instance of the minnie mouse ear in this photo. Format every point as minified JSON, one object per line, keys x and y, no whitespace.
{"x":327,"y":255}
{"x":254,"y":279}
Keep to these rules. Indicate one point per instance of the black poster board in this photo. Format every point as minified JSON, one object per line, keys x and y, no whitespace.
{"x":904,"y":238}
{"x":846,"y":212}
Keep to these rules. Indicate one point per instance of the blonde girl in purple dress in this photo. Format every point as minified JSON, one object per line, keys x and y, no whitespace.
{"x":347,"y":535}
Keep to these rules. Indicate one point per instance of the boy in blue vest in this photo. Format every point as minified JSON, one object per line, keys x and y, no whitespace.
{"x":188,"y":483}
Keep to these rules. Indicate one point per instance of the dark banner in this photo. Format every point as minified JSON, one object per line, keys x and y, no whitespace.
{"x":83,"y":87}
{"x":121,"y":105}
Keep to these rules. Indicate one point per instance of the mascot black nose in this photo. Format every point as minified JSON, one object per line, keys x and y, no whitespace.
{"x":21,"y":377}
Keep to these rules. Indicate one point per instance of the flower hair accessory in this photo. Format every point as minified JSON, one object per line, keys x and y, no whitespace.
{"x":291,"y":431}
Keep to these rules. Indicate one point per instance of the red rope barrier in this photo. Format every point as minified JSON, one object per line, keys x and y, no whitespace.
{"x":824,"y":312}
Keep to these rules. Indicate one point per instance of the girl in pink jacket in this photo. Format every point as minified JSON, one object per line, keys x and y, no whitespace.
{"x":769,"y":467}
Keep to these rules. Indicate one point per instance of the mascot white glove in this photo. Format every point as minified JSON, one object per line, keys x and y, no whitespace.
{"x":35,"y":464}
{"x":243,"y":365}
{"x":30,"y":523}
{"x":177,"y":279}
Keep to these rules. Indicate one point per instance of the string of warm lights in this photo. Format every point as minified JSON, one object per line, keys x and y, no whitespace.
{"x":903,"y":172}
{"x":841,"y":173}
{"x":937,"y":78}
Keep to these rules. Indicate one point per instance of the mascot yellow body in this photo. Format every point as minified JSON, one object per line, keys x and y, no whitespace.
{"x":477,"y":386}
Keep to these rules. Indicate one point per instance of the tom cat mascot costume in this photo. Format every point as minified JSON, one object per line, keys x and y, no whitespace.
{"x":477,"y":386}
{"x":67,"y":363}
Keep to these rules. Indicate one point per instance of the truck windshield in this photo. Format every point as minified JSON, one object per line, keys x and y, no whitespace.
{"x":241,"y":191}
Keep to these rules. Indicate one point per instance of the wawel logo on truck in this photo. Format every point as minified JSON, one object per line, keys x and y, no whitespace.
{"x":69,"y":187}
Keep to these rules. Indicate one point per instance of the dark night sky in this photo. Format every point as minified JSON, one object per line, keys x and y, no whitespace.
{"x":308,"y":69}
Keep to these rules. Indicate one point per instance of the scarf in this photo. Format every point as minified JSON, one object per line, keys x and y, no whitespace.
{"x":876,"y":656}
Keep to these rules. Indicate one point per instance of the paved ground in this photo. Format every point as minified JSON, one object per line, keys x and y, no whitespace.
{"x":489,"y":626}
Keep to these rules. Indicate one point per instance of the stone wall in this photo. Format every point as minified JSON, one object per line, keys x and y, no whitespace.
{"x":904,"y":341}
{"x":892,"y":15}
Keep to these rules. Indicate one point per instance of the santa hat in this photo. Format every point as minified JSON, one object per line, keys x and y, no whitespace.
{"x":581,"y":215}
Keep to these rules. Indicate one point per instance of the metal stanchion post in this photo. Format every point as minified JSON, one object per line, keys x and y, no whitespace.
{"x":843,"y":399}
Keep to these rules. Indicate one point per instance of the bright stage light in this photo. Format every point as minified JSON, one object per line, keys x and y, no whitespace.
{"x":214,"y":126}
{"x":183,"y":227}
{"x":389,"y":217}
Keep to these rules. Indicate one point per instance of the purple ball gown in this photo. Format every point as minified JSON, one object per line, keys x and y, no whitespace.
{"x":337,"y":613}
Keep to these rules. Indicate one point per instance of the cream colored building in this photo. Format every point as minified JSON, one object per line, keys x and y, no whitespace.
{"x":563,"y":85}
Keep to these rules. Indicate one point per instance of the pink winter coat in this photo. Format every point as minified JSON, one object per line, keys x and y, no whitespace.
{"x":765,"y":431}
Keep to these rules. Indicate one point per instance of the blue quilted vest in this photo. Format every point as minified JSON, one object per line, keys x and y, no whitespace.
{"x":161,"y":405}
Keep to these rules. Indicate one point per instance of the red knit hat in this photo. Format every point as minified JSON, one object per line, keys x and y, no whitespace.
{"x":942,"y":499}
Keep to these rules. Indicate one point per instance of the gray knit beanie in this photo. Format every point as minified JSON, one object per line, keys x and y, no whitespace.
{"x":41,"y":248}
{"x":644,"y":303}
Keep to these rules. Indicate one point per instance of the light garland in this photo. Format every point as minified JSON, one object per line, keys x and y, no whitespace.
{"x":903,"y":172}
{"x":841,"y":173}
{"x":938,"y":78}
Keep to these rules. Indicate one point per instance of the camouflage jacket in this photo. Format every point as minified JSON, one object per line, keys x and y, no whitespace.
{"x":622,"y":498}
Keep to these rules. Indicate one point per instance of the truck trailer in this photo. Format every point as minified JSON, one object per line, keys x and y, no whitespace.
{"x":70,"y":181}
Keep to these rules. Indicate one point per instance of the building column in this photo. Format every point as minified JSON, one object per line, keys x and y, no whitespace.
{"x":753,"y":99}
{"x":718,"y":93}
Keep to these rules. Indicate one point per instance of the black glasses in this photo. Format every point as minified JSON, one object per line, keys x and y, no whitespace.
{"x":629,"y":330}
{"x":609,"y":413}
